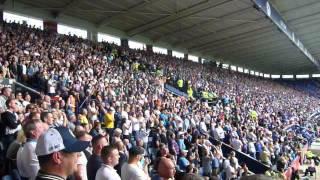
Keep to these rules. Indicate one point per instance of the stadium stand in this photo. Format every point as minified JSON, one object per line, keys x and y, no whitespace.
{"x":105,"y":92}
{"x":310,"y":86}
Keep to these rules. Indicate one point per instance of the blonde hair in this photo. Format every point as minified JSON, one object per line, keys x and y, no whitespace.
{"x":21,"y":138}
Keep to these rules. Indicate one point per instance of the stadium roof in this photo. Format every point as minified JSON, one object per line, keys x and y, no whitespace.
{"x":232,"y":30}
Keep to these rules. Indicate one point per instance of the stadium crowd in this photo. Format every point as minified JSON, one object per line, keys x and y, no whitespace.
{"x":126,"y":125}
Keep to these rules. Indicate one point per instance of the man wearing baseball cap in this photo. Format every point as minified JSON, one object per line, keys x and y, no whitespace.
{"x":57,"y":151}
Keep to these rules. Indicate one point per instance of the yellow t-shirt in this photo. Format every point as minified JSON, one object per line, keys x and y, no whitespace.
{"x":254,"y":115}
{"x":180,"y":83}
{"x":190,"y":92}
{"x":109,"y":120}
{"x":83,"y":119}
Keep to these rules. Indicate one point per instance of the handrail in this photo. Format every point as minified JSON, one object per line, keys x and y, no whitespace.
{"x":260,"y":168}
{"x":85,"y":100}
{"x":26,"y":87}
{"x":248,"y":156}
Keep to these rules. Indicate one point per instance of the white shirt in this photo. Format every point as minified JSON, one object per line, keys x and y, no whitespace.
{"x":230,"y":172}
{"x":24,"y":69}
{"x":82,"y":160}
{"x":236,"y":144}
{"x":132,"y":172}
{"x":106,"y":172}
{"x":251,"y":147}
{"x":220,"y":132}
{"x":135,"y":124}
{"x":124,"y":114}
{"x":203,"y":126}
{"x":27,"y":160}
{"x":127,"y":127}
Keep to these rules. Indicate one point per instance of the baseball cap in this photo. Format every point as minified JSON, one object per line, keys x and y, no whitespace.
{"x":136,"y":150}
{"x":57,"y":139}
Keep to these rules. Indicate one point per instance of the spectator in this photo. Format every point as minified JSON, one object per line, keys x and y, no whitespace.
{"x":57,"y":152}
{"x":98,"y":76}
{"x":166,"y":169}
{"x":27,"y":161}
{"x":9,"y":125}
{"x":95,"y":160}
{"x":183,"y":162}
{"x":14,"y":148}
{"x":131,"y":170}
{"x":47,"y":118}
{"x":110,"y":157}
{"x":123,"y":156}
{"x":109,"y":121}
{"x":5,"y":95}
{"x":81,"y":172}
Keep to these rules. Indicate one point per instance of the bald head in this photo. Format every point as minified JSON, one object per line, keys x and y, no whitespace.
{"x":166,"y":168}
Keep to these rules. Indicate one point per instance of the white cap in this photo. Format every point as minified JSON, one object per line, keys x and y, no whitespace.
{"x":57,"y":139}
{"x":50,"y":142}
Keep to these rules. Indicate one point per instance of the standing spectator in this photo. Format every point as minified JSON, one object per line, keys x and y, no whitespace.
{"x":5,"y":95}
{"x":131,"y":170}
{"x":123,"y":156}
{"x":109,"y":121}
{"x":27,"y":161}
{"x":81,"y":172}
{"x":207,"y":163}
{"x":47,"y":118}
{"x":173,"y":145}
{"x":166,"y":169}
{"x":9,"y":125}
{"x":236,"y":143}
{"x":57,"y":151}
{"x":95,"y":161}
{"x":183,"y":162}
{"x":110,"y":157}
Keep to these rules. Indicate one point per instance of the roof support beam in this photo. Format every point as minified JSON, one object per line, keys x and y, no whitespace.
{"x":241,"y":41}
{"x":264,"y":39}
{"x":68,"y":6}
{"x":106,"y":21}
{"x":278,"y":20}
{"x":263,"y":28}
{"x":210,"y":44}
{"x":199,"y":7}
{"x":247,"y":52}
{"x":262,"y":52}
{"x":210,"y":34}
{"x":201,"y":24}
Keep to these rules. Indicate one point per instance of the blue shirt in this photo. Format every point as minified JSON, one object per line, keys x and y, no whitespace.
{"x":183,"y":163}
{"x":181,"y":144}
